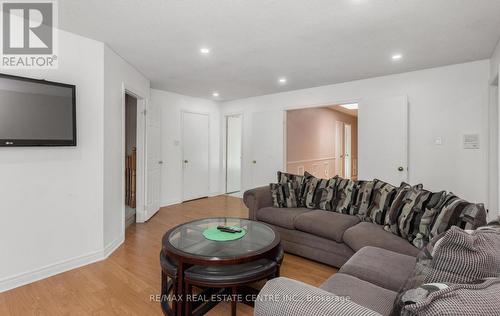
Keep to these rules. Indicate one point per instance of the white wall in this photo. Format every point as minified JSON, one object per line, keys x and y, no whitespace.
{"x":118,"y":74}
{"x":52,"y":197}
{"x":494,"y":131}
{"x":444,"y":102}
{"x":495,"y":62}
{"x":171,"y":106}
{"x":62,"y":206}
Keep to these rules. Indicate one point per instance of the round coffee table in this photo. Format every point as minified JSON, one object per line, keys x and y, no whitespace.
{"x":186,"y":245}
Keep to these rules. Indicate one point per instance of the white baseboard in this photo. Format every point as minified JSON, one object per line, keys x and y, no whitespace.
{"x":112,"y":246}
{"x":34,"y":275}
{"x":49,"y":270}
{"x":171,"y":202}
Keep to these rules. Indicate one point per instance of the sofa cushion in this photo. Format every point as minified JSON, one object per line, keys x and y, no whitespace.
{"x":361,"y":292}
{"x":381,"y":267}
{"x":283,"y":217}
{"x":326,"y":224}
{"x":369,"y":234}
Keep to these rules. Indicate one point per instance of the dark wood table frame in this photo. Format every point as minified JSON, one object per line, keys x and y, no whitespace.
{"x":185,"y":260}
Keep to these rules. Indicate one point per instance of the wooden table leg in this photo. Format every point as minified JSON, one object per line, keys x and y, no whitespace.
{"x":234,"y":295}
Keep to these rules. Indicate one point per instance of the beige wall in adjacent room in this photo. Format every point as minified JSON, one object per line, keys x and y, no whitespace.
{"x":311,"y":136}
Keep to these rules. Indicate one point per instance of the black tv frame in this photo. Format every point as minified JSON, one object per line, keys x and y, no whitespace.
{"x":43,"y":142}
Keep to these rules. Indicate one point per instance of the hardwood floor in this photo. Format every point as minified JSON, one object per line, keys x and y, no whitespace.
{"x":124,"y":283}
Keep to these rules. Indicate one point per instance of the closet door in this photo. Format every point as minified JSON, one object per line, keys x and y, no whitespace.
{"x":383,"y":139}
{"x":267,"y":138}
{"x":153,"y":160}
{"x":195,"y":153}
{"x":233,"y":153}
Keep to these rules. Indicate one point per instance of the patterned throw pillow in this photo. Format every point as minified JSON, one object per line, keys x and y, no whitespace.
{"x":328,"y":194}
{"x":320,"y":188}
{"x":422,"y":231}
{"x":391,"y":216}
{"x":458,"y":212}
{"x":362,"y":192}
{"x":309,"y":190}
{"x":283,"y":195}
{"x":343,"y":196}
{"x":411,"y":211}
{"x":297,"y":182}
{"x":383,"y":194}
{"x":478,"y":299}
{"x":456,"y":256}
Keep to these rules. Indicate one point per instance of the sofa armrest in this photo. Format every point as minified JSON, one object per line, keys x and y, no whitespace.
{"x":286,"y":297}
{"x":256,"y":199}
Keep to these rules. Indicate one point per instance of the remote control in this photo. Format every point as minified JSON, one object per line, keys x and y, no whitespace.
{"x":228,"y":229}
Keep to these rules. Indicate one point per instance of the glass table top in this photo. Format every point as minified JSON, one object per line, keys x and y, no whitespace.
{"x":189,"y":238}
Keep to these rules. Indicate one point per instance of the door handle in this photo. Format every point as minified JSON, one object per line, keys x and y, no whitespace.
{"x":185,"y":161}
{"x":160,"y":162}
{"x":401,"y":168}
{"x":254,"y":162}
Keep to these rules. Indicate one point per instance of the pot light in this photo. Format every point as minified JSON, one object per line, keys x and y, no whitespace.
{"x":282,"y":80}
{"x":397,"y":57}
{"x":215,"y":94}
{"x":205,"y":51}
{"x":350,"y":106}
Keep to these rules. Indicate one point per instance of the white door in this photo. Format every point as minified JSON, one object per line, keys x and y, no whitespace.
{"x":233,"y":153}
{"x":267,"y":139}
{"x":383,"y":139}
{"x":195,"y":155}
{"x":339,"y":155}
{"x":153,"y":160}
{"x":347,"y":151}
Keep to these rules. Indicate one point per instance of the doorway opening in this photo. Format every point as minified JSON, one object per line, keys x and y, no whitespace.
{"x":233,"y":154}
{"x":323,"y":141}
{"x":130,"y":159}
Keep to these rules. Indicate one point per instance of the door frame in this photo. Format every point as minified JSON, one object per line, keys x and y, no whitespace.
{"x":224,"y":150}
{"x":140,"y":208}
{"x":207,"y":114}
{"x":305,"y":107}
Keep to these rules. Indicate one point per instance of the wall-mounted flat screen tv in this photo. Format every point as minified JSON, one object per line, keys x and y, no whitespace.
{"x":36,"y":112}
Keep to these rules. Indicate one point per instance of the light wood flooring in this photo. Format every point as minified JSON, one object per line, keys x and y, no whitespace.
{"x":124,"y":283}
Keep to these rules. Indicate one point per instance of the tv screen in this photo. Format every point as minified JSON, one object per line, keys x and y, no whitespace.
{"x":36,"y":112}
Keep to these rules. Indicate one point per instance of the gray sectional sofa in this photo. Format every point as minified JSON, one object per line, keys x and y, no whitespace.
{"x":370,"y":280}
{"x":374,"y":263}
{"x":324,"y":236}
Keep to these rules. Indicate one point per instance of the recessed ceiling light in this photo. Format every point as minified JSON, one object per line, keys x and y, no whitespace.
{"x":397,"y":56}
{"x":350,"y":106}
{"x":282,"y":80}
{"x":215,"y":94}
{"x":205,"y":51}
